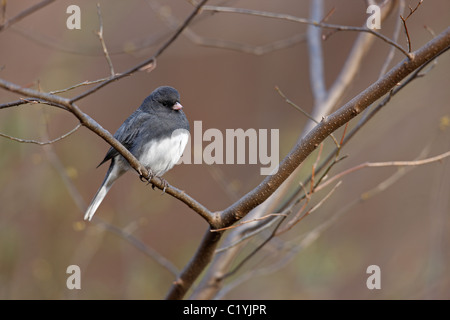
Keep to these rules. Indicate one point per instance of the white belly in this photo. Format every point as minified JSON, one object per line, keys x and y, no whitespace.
{"x":162,"y":155}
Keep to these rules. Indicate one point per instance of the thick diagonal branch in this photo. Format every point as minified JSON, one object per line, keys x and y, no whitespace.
{"x":301,"y":151}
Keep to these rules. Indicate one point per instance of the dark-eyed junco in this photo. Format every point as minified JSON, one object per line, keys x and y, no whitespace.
{"x":156,"y":134}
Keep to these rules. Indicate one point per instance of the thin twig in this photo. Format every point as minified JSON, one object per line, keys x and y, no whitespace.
{"x":251,"y":254}
{"x":314,"y":168}
{"x":316,"y":68}
{"x":257,"y":50}
{"x":248,"y":221}
{"x":152,"y":253}
{"x":222,"y":180}
{"x":102,"y":41}
{"x":411,"y":11}
{"x":299,"y":217}
{"x":251,"y":234}
{"x":343,"y":137}
{"x":289,"y":17}
{"x":24,"y":13}
{"x":42,"y":143}
{"x":150,"y":60}
{"x":396,"y":34}
{"x":84,"y":83}
{"x":290,"y":102}
{"x":384,"y":164}
{"x":23,"y":101}
{"x":351,"y":67}
{"x":172,"y":22}
{"x":329,"y":14}
{"x":306,"y":114}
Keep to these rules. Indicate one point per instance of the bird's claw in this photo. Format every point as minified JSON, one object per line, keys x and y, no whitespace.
{"x":148,"y":178}
{"x":164,"y":183}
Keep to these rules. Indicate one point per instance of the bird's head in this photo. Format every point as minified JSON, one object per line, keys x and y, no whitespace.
{"x":167,"y":97}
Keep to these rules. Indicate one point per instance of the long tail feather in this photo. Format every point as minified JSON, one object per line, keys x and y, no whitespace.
{"x":112,"y":175}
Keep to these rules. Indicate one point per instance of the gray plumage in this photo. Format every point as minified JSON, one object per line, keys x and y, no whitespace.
{"x":156,"y":134}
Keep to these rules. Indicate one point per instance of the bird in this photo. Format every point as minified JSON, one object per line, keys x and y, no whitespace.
{"x":156,"y":134}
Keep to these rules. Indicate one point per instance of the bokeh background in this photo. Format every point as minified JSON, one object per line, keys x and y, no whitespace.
{"x":404,"y":230}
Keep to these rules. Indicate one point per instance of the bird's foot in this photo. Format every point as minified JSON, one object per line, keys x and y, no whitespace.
{"x":151,"y":175}
{"x":148,"y":178}
{"x":164,"y":183}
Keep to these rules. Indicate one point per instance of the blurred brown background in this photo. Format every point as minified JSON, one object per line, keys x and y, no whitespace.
{"x":404,"y":230}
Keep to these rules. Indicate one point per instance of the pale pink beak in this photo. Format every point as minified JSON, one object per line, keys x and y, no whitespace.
{"x":177,"y":106}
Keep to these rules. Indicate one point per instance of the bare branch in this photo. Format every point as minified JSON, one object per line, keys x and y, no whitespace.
{"x":152,"y":253}
{"x":84,"y":83}
{"x":258,"y":248}
{"x":249,"y":234}
{"x":23,"y":101}
{"x":347,"y":74}
{"x":249,"y":221}
{"x":24,"y":14}
{"x":199,"y":40}
{"x":277,"y":202}
{"x":258,"y":195}
{"x":195,"y":266}
{"x":384,"y":164}
{"x":258,"y":50}
{"x":334,"y":153}
{"x":396,"y":34}
{"x":411,"y":11}
{"x":316,"y":71}
{"x":91,"y":124}
{"x":78,"y":199}
{"x":311,"y":118}
{"x":102,"y":41}
{"x":42,"y":143}
{"x":149,"y":60}
{"x":306,"y":114}
{"x":294,"y":246}
{"x":311,"y":141}
{"x":301,"y":216}
{"x":306,"y":21}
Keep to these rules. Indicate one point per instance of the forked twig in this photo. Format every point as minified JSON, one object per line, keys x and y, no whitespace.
{"x":411,"y":11}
